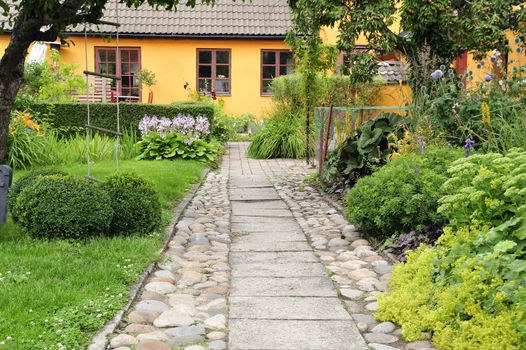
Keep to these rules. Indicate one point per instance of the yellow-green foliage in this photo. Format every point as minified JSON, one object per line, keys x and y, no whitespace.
{"x":469,"y":291}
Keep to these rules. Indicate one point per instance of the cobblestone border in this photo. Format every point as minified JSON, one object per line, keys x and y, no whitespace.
{"x":100,"y":340}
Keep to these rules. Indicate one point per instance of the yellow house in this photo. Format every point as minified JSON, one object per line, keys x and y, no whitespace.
{"x":232,"y":50}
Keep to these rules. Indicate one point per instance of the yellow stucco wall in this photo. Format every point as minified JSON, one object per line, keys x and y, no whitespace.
{"x":174,"y":63}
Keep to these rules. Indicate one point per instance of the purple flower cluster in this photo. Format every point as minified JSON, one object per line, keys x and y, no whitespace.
{"x":468,"y":146}
{"x":191,"y":128}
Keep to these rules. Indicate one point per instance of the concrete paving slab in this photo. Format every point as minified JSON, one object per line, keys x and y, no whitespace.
{"x":287,"y":308}
{"x":278,"y":270}
{"x":282,"y":287}
{"x":275,"y":204}
{"x":270,"y":247}
{"x":262,"y":212}
{"x":272,"y":257}
{"x":253,"y":194}
{"x":269,"y":237}
{"x":263,"y":221}
{"x":278,"y":225}
{"x":257,"y":181}
{"x":294,"y":335}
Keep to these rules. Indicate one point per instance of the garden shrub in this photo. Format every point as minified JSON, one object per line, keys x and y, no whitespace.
{"x":401,"y":196}
{"x":71,"y":117}
{"x":24,"y":182}
{"x":64,"y":207}
{"x":469,"y":291}
{"x":135,"y":204}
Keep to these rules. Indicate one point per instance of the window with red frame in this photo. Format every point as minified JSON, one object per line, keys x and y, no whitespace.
{"x":128,"y":68}
{"x":274,"y":63}
{"x":213,"y":71}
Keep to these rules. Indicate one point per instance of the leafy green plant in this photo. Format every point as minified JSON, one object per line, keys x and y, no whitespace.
{"x":24,"y":182}
{"x":173,"y":146}
{"x":135,"y":204}
{"x":147,"y":77}
{"x":475,"y":278}
{"x":401,"y":196}
{"x":50,"y":82}
{"x":282,"y":136}
{"x":64,"y":207}
{"x":362,"y":152}
{"x":25,"y":141}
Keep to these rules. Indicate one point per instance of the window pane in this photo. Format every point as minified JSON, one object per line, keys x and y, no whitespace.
{"x":269,"y":57}
{"x":134,"y":55}
{"x":284,"y":70}
{"x":222,"y":85}
{"x":222,"y":71}
{"x":285,"y":58}
{"x":111,"y":55}
{"x":125,"y":68}
{"x":111,"y":68}
{"x":135,"y":68}
{"x":125,"y":55}
{"x":205,"y":71}
{"x":205,"y":57}
{"x":134,"y":91}
{"x":126,"y":81}
{"x":102,"y":68}
{"x":222,"y":57}
{"x":269,"y":72}
{"x":205,"y":85}
{"x":267,"y":86}
{"x":102,"y":55}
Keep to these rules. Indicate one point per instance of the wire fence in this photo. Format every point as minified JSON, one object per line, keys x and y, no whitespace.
{"x":333,"y":125}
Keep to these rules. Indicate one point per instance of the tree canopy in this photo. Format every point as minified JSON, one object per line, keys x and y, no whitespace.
{"x":442,"y":28}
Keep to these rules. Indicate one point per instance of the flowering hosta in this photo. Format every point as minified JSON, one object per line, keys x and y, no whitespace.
{"x":180,"y":137}
{"x":191,"y":128}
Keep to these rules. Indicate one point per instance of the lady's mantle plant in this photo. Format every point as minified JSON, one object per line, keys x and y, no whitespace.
{"x":469,"y":291}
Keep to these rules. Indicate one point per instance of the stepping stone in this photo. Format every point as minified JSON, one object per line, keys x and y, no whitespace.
{"x":269,"y":237}
{"x":271,"y":257}
{"x":270,"y":247}
{"x":275,"y":287}
{"x":253,"y":194}
{"x":287,"y":308}
{"x":293,"y":334}
{"x":278,"y":270}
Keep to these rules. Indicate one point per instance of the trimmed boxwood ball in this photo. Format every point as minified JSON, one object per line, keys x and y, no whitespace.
{"x":135,"y":203}
{"x":58,"y":206}
{"x":22,"y":183}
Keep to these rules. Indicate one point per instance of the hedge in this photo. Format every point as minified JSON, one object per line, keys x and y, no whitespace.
{"x":69,"y":117}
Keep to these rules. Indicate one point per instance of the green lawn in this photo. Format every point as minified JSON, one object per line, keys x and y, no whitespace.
{"x":60,"y":292}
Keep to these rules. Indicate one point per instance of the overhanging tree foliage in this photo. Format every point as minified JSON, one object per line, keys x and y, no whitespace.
{"x":45,"y":20}
{"x":437,"y":31}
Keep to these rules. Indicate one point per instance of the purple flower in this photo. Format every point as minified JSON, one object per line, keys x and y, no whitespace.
{"x":437,"y":74}
{"x":488,"y":78}
{"x":191,"y":128}
{"x":468,"y":146}
{"x":422,"y":145}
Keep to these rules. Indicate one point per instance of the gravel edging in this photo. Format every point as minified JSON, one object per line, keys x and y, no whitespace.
{"x":100,"y":341}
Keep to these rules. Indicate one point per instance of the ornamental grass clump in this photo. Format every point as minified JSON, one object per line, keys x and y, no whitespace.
{"x":469,"y":291}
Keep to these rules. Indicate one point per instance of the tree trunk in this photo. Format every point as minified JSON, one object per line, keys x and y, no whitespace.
{"x":11,"y":76}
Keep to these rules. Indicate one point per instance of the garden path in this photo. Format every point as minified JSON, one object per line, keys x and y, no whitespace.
{"x":262,"y":261}
{"x":281,"y":296}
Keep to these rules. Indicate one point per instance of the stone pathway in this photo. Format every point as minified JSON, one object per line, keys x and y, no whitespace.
{"x":281,"y":296}
{"x":261,"y":261}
